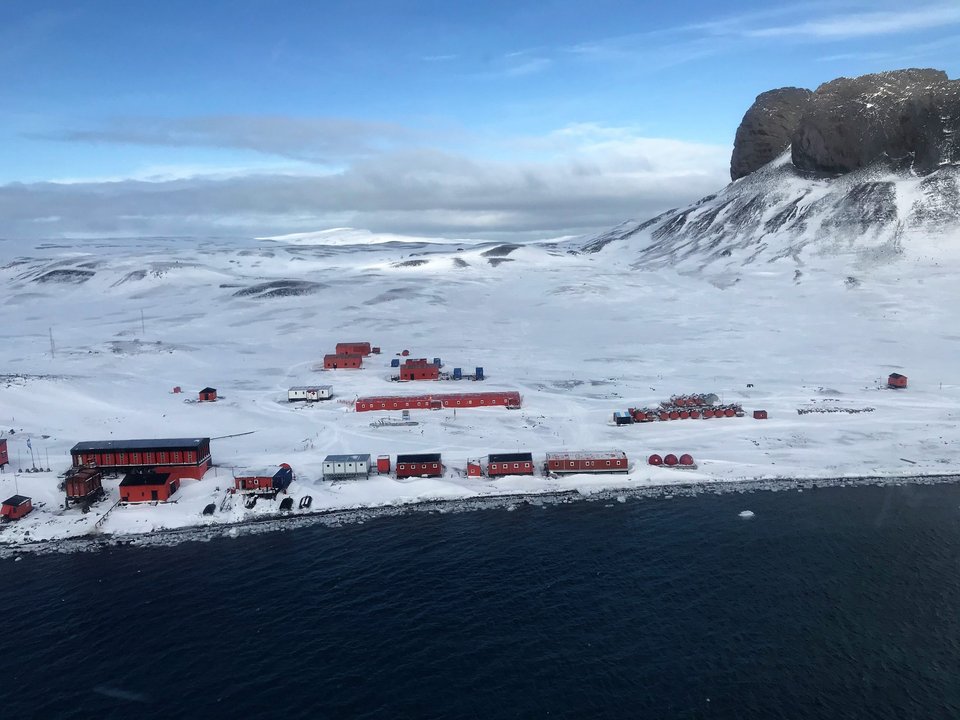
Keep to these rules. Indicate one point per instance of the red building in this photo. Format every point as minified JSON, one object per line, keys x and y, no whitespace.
{"x":148,"y":486}
{"x":509,"y":464}
{"x":179,"y":457}
{"x":383,"y":464}
{"x":587,"y":461}
{"x":353,"y":348}
{"x":4,"y":458}
{"x":897,"y":381}
{"x":416,"y":371}
{"x":265,"y":481}
{"x":84,"y":484}
{"x":15,"y":507}
{"x":759,"y":414}
{"x":435,"y":401}
{"x":424,"y":465}
{"x":342,"y":361}
{"x":208,"y":394}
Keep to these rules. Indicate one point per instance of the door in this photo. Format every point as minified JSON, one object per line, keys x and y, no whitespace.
{"x":153,"y":495}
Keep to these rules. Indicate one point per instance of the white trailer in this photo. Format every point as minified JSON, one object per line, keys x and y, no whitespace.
{"x":310,"y":393}
{"x":346,"y":466}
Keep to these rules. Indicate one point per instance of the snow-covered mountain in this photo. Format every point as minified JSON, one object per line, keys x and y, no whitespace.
{"x":876,"y":215}
{"x":858,"y":173}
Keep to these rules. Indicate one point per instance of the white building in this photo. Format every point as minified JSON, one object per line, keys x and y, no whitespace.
{"x":346,"y":466}
{"x":310,"y":393}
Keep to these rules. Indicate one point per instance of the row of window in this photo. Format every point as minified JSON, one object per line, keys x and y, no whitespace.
{"x":404,"y":466}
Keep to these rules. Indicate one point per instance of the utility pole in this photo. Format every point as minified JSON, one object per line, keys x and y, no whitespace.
{"x":53,"y":347}
{"x":143,"y":325}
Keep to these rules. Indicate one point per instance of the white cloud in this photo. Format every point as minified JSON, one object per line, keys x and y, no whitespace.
{"x":578,"y":179}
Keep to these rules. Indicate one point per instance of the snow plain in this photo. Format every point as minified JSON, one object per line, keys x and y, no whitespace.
{"x":579,"y":335}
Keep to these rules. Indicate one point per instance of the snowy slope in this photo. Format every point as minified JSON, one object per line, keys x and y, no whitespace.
{"x":580,"y":335}
{"x":876,"y":216}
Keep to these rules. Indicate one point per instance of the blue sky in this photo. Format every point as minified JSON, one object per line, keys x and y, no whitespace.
{"x":422,"y":117}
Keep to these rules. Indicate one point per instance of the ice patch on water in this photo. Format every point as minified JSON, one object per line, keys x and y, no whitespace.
{"x":746,"y":514}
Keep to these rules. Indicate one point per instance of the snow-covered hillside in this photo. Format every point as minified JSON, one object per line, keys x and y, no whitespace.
{"x":879,"y":216}
{"x":579,"y":335}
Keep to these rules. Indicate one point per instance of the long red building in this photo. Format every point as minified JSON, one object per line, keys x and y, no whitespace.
{"x":179,"y":457}
{"x":587,"y":461}
{"x":435,"y":401}
{"x":422,"y":465}
{"x":353,"y":348}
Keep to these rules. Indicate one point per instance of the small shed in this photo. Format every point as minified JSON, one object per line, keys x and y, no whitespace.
{"x":16,"y":507}
{"x":148,"y":486}
{"x":309,"y":393}
{"x":474,"y":469}
{"x":383,"y":464}
{"x":897,"y":381}
{"x":342,"y":361}
{"x":84,"y":484}
{"x":419,"y":465}
{"x":4,"y":457}
{"x":208,"y":394}
{"x":346,"y":466}
{"x":622,"y":417}
{"x":759,"y":414}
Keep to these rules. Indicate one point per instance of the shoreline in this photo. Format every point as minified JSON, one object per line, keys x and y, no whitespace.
{"x":334,"y":517}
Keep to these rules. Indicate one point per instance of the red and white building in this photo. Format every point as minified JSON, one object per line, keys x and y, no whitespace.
{"x":587,"y":461}
{"x":263,"y":481}
{"x":4,"y":457}
{"x":509,"y":464}
{"x":422,"y":465}
{"x":435,"y":401}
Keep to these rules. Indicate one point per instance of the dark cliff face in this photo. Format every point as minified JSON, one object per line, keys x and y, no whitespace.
{"x":767,"y":129}
{"x":847,"y":124}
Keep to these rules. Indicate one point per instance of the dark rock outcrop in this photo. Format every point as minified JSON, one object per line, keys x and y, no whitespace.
{"x":905,"y":115}
{"x":767,"y":129}
{"x":912,"y":116}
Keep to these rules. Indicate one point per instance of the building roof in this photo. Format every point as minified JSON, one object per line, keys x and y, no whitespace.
{"x":154,"y":444}
{"x":144,"y":478}
{"x":312,"y":387}
{"x":511,"y":457}
{"x":421,"y":458}
{"x":208,"y":390}
{"x":16,"y":500}
{"x":588,"y":455}
{"x":260,"y":472}
{"x":348,"y":458}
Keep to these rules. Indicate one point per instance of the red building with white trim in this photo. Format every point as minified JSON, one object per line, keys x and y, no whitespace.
{"x":587,"y":461}
{"x":264,"y":481}
{"x":509,"y":464}
{"x":422,"y":465}
{"x":84,"y":484}
{"x":435,"y":401}
{"x":179,"y":457}
{"x":417,"y":371}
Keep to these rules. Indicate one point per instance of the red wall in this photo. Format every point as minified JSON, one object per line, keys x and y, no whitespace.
{"x":417,"y":469}
{"x":507,"y":468}
{"x":419,"y":372}
{"x":353,"y":348}
{"x":587,"y":465}
{"x":4,"y":458}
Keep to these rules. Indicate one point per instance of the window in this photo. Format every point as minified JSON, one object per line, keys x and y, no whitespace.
{"x":435,"y":466}
{"x":516,"y":466}
{"x":608,"y":463}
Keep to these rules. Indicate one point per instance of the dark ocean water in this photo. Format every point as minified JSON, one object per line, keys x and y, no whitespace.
{"x":832,"y":603}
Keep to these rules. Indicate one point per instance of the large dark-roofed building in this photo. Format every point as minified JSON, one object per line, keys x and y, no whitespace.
{"x":509,"y":464}
{"x":180,"y":457}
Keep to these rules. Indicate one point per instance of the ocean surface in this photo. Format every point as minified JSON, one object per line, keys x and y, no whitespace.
{"x":828,"y":603}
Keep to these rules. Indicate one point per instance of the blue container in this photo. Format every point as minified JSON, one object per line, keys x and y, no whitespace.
{"x":395,"y":362}
{"x":436,"y":361}
{"x":458,"y":373}
{"x":479,"y":373}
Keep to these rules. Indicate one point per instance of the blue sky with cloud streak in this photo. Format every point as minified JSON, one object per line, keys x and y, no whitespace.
{"x":450,"y":112}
